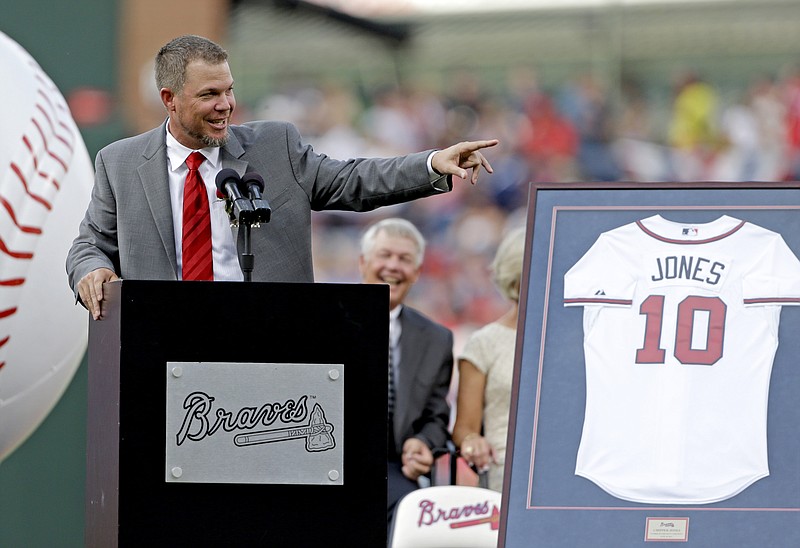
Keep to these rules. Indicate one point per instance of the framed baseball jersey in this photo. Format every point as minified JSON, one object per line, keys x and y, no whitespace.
{"x":680,"y":331}
{"x":657,"y":369}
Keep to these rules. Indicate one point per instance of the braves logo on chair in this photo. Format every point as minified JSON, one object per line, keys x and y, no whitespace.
{"x":458,"y":516}
{"x":449,"y":516}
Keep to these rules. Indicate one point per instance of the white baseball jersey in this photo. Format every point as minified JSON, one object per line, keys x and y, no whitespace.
{"x":680,"y":332}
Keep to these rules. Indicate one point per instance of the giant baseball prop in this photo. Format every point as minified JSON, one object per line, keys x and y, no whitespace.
{"x":45,"y":182}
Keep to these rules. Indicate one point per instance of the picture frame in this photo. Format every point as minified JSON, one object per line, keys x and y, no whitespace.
{"x":544,"y":501}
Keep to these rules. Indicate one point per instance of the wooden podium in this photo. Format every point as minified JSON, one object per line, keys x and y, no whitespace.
{"x":134,"y":498}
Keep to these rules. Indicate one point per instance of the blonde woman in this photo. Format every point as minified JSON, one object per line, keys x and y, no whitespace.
{"x":486,"y":368}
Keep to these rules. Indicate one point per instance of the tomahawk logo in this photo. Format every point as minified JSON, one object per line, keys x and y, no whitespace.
{"x":318,"y":434}
{"x":313,"y":428}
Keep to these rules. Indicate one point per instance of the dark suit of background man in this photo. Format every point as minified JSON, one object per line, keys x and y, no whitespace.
{"x":132,"y":227}
{"x":421,"y":356}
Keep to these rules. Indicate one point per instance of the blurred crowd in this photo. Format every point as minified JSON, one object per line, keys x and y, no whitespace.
{"x":579,"y":131}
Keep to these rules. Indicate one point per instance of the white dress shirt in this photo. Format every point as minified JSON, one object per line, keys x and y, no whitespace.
{"x":225,"y":256}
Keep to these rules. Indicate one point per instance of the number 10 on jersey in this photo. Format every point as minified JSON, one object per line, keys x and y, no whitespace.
{"x":686,"y":348}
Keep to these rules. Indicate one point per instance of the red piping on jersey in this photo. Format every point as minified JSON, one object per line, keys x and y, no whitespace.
{"x":626,"y":302}
{"x":775,"y":300}
{"x":689,"y":242}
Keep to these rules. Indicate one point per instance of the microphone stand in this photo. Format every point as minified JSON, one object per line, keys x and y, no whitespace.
{"x":246,"y":221}
{"x":247,"y":260}
{"x":261,"y":213}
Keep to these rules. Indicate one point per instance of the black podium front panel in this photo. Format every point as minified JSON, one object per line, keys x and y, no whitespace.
{"x":149,"y":324}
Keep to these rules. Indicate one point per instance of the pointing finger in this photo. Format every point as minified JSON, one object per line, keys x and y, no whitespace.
{"x":477,"y":145}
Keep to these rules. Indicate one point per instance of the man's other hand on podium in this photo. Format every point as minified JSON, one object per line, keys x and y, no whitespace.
{"x":90,"y":290}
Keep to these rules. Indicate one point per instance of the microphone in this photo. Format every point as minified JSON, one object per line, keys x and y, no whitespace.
{"x":254,"y":185}
{"x":228,"y":185}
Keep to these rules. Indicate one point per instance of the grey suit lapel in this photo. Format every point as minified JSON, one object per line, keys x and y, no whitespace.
{"x":232,"y":150}
{"x":230,"y":156}
{"x":154,"y":179}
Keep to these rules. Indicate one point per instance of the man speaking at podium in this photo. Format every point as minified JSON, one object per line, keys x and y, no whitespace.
{"x":154,"y":213}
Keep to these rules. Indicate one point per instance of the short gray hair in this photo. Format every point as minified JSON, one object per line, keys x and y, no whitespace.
{"x":507,"y":264}
{"x":396,"y":227}
{"x":171,"y":60}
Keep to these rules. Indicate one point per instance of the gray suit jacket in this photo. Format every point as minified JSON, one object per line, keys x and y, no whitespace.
{"x":128,"y":224}
{"x":426,"y":366}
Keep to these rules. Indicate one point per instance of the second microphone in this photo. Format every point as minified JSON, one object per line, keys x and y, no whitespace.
{"x":243,"y":194}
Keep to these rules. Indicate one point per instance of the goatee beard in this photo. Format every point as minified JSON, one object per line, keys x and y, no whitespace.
{"x":209,"y":141}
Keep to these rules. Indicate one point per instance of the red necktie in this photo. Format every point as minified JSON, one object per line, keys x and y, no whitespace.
{"x":197,"y":261}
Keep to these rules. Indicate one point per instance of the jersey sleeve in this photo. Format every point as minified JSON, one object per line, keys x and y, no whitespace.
{"x":602,"y":277}
{"x":775,"y":277}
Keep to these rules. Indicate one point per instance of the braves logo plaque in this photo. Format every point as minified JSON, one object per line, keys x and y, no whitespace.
{"x":254,"y":423}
